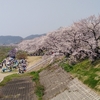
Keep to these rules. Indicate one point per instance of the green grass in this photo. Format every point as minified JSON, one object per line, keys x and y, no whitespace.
{"x":9,"y":78}
{"x":35,"y":76}
{"x":39,"y":89}
{"x":66,"y":67}
{"x":12,"y":76}
{"x":86,"y":72}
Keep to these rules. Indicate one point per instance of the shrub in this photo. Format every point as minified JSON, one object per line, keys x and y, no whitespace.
{"x":21,"y":55}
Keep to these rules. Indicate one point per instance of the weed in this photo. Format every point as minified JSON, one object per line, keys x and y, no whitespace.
{"x":39,"y":89}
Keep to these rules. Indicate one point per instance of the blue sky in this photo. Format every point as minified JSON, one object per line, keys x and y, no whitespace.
{"x":26,"y":17}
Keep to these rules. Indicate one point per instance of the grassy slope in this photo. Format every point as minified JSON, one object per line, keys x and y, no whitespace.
{"x":88,"y":73}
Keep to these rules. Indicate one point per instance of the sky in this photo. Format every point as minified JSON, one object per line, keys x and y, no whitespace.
{"x":27,"y":17}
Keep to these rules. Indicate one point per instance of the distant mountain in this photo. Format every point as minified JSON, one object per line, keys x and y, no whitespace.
{"x":5,"y":40}
{"x":10,"y":40}
{"x":33,"y":36}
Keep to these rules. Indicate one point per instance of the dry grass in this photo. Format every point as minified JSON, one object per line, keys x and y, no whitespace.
{"x":33,"y":60}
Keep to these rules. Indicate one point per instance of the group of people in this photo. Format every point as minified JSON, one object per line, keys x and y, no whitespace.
{"x":8,"y":64}
{"x":22,"y":65}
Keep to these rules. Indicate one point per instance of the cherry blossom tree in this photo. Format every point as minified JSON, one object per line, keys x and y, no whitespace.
{"x":79,"y":41}
{"x":89,"y":30}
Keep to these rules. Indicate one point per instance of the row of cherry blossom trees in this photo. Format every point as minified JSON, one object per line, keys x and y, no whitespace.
{"x":79,"y":41}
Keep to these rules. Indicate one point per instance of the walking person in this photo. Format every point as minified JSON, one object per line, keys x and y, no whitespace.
{"x":21,"y":69}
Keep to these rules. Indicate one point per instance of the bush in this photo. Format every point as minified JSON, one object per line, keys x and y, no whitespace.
{"x":21,"y":55}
